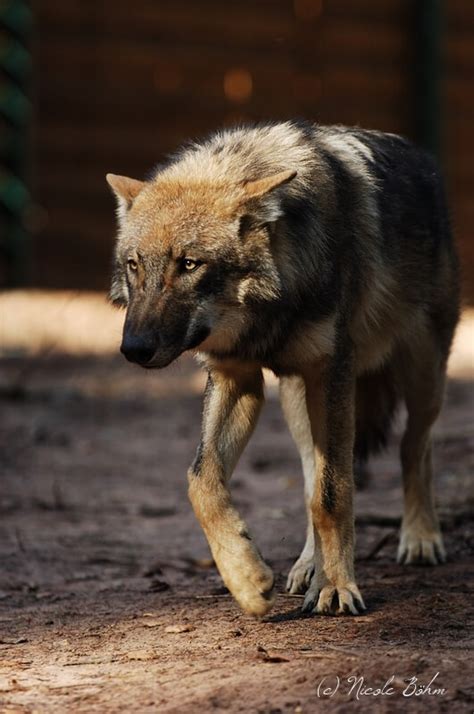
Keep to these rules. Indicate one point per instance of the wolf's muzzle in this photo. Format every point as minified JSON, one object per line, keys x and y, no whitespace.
{"x":137,"y":349}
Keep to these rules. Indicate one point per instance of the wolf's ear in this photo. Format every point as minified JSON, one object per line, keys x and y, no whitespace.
{"x":258,"y":199}
{"x":126,"y":190}
{"x":261,"y":187}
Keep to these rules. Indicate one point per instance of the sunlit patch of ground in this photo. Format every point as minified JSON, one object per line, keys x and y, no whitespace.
{"x":75,"y":323}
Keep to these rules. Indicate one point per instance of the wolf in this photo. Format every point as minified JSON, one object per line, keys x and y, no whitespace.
{"x":325,"y":255}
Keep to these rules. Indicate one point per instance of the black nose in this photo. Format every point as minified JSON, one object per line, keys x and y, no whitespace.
{"x":137,"y":348}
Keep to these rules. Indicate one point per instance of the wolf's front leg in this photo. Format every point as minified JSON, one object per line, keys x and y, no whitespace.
{"x":231,"y":406}
{"x":330,"y":403}
{"x":293,"y":402}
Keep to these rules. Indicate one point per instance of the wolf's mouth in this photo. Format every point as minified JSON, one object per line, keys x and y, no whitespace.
{"x":164,"y":357}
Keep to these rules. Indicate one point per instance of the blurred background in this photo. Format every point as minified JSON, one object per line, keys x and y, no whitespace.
{"x":90,"y":86}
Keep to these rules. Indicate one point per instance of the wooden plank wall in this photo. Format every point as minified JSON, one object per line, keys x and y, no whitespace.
{"x":458,"y":117}
{"x":120,"y":84}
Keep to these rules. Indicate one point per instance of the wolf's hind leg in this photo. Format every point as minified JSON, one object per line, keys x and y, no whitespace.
{"x":293,"y":402}
{"x":420,"y":539}
{"x":231,"y":407}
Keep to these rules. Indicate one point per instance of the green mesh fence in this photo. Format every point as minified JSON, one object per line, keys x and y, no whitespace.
{"x":15,"y":115}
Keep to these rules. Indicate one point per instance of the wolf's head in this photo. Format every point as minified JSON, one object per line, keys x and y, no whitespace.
{"x":193,"y":259}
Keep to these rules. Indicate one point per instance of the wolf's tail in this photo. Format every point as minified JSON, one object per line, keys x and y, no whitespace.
{"x":377,"y":397}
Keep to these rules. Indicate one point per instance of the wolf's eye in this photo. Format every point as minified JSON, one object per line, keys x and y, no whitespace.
{"x":132,"y":265}
{"x":189,"y":264}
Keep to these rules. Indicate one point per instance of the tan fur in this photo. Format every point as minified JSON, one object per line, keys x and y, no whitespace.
{"x":261,"y":187}
{"x":228,"y":422}
{"x":270,"y":247}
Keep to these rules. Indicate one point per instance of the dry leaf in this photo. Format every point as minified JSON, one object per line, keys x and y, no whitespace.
{"x":140,"y":655}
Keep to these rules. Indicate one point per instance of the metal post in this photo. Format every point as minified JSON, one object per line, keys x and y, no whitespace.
{"x":428,"y":72}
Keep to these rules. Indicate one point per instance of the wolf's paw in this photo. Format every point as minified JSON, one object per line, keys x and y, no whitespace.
{"x":332,"y":600}
{"x":419,"y":546}
{"x":256,"y":594}
{"x":248,"y":577}
{"x":300,"y":574}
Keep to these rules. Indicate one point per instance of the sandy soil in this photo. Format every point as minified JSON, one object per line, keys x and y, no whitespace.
{"x":108,"y":599}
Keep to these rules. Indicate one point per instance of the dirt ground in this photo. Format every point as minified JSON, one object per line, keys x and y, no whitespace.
{"x":108,"y":599}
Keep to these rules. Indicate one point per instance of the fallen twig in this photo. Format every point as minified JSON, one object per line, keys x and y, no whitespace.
{"x":342,"y":650}
{"x":377,"y":547}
